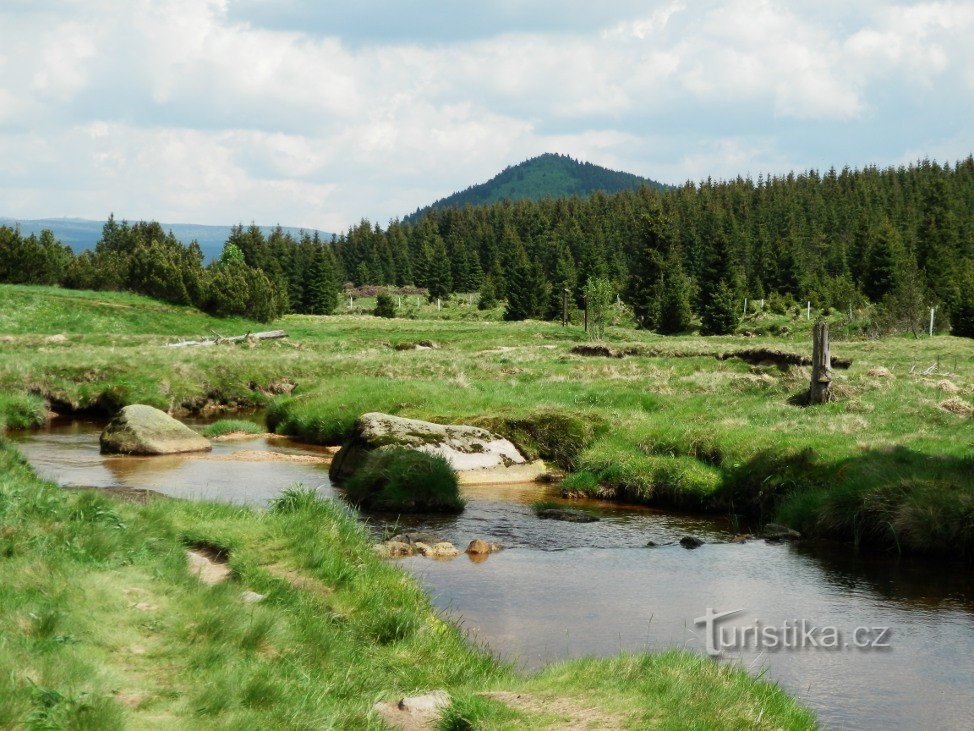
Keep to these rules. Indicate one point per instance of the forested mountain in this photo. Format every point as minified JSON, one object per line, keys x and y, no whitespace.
{"x":901,"y":238}
{"x":546,"y":176}
{"x":81,"y":233}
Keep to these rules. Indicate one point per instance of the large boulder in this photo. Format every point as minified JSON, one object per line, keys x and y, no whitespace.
{"x":140,"y":429}
{"x":466,"y":448}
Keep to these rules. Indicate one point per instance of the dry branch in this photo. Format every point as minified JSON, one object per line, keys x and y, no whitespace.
{"x":219,"y":340}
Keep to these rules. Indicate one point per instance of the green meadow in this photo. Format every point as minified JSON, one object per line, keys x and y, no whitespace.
{"x":103,"y":625}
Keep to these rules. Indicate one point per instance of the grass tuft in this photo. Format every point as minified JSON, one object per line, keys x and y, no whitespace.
{"x":405,"y":481}
{"x":230,"y":426}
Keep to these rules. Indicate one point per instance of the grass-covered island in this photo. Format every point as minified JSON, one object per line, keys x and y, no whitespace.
{"x":102,"y":623}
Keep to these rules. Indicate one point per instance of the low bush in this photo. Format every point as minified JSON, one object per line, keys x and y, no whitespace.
{"x":405,"y":481}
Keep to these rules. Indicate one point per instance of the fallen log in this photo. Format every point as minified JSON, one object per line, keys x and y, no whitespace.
{"x":219,"y":340}
{"x":781,"y":358}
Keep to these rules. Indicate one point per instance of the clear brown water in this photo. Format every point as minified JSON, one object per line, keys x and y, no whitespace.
{"x":568,"y":590}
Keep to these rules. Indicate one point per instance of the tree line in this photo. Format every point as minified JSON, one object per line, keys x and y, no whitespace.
{"x":901,"y":238}
{"x":256,"y":276}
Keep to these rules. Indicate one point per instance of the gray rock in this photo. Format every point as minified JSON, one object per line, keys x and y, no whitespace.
{"x":417,"y":537}
{"x":251,"y":597}
{"x":413,"y":713}
{"x":466,"y":448}
{"x":140,"y":429}
{"x":690,"y":542}
{"x":428,"y":703}
{"x":567,"y":515}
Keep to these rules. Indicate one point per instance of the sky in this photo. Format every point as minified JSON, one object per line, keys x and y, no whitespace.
{"x":319,"y":114}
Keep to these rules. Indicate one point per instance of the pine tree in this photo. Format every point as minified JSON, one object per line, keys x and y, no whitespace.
{"x":962,"y":319}
{"x":488,"y":295}
{"x":527,"y":289}
{"x":676,"y":314}
{"x":384,"y":306}
{"x":439,"y":278}
{"x":322,"y":284}
{"x":719,"y":313}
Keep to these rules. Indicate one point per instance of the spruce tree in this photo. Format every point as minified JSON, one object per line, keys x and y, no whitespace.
{"x":720,"y":313}
{"x":384,"y":306}
{"x":527,"y":289}
{"x":676,"y":314}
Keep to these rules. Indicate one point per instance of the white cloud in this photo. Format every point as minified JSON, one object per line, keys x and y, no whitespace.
{"x":172,"y":109}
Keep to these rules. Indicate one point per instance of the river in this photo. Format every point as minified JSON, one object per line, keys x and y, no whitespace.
{"x":562,"y":590}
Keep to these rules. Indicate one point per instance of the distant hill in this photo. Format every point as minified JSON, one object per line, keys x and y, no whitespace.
{"x":548,"y":175}
{"x":81,"y":233}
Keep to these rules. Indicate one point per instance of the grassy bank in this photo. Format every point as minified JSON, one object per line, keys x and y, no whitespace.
{"x":103,"y":626}
{"x":889,"y":464}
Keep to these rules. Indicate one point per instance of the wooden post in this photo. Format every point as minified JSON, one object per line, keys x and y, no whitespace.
{"x":821,"y":388}
{"x":564,"y":307}
{"x":808,"y":312}
{"x":932,"y":310}
{"x":745,"y":307}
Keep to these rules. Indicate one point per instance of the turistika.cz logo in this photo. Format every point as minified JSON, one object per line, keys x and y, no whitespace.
{"x":792,"y":634}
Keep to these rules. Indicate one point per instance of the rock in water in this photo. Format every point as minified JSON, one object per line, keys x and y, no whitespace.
{"x":778,"y":532}
{"x":567,"y":514}
{"x":480,"y":547}
{"x":140,"y":429}
{"x":464,"y":447}
{"x":690,"y":542}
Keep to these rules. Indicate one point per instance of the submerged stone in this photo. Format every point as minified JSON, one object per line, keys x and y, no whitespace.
{"x":778,"y":532}
{"x":141,"y":429}
{"x":690,"y":542}
{"x":567,"y":515}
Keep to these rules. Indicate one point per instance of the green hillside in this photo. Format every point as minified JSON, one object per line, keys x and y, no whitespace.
{"x":546,"y":176}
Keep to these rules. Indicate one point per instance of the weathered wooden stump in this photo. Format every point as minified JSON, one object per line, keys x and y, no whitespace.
{"x":821,"y":388}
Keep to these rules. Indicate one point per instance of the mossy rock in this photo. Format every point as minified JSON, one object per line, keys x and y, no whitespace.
{"x":465,"y":448}
{"x":140,"y":429}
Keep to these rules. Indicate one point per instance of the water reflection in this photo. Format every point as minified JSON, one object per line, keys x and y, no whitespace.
{"x":568,"y":589}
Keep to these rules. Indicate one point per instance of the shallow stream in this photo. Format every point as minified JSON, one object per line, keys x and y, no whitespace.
{"x":564,"y":590}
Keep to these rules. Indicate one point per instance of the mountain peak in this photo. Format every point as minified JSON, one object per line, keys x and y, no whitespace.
{"x":550,"y":175}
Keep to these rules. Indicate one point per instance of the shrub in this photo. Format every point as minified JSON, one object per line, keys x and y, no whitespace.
{"x":384,"y":306}
{"x":405,"y":481}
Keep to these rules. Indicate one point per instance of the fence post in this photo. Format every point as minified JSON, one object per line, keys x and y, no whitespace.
{"x":821,"y":388}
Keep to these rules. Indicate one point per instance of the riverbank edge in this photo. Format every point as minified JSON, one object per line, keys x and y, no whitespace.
{"x":103,"y":623}
{"x":865,"y":504}
{"x":892,"y":500}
